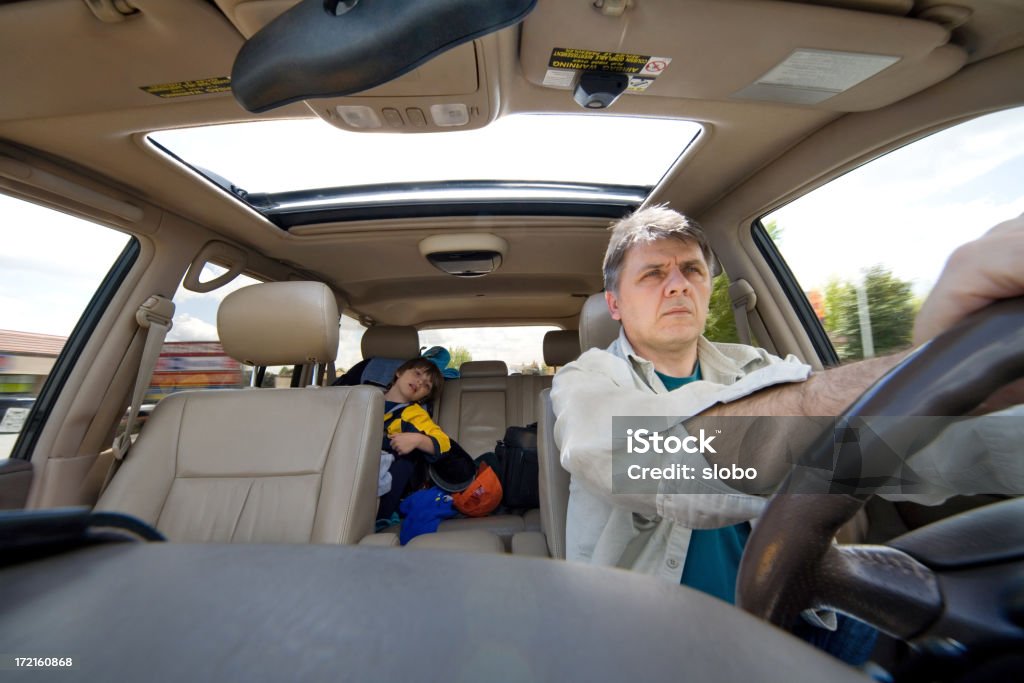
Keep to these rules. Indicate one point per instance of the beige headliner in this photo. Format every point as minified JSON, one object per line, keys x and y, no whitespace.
{"x":72,"y":94}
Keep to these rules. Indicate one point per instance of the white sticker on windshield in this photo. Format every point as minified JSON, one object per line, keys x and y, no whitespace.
{"x":13,"y":420}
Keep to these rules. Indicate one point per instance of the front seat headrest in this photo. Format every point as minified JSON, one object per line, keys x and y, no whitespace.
{"x":483,"y":368}
{"x":280,"y":323}
{"x":597,"y":327}
{"x":561,"y":347}
{"x":391,"y":341}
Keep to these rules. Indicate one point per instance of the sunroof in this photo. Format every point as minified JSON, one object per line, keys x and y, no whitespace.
{"x":284,"y":168}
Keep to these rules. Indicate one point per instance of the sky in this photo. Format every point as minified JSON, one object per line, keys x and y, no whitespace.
{"x":908,"y":210}
{"x":277,"y":156}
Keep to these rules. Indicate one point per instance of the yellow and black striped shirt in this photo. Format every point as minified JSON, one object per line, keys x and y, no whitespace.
{"x":400,"y":417}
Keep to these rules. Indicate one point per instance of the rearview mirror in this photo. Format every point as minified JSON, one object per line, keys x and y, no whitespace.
{"x":332,"y":48}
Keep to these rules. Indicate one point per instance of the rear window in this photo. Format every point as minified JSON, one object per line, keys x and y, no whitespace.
{"x":521,"y":347}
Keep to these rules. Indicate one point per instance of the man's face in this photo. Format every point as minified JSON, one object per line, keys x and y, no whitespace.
{"x":663,"y":297}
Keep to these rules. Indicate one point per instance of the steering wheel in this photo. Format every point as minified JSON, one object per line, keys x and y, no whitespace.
{"x":939,"y":581}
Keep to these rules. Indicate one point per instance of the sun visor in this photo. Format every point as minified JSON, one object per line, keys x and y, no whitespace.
{"x":791,"y":53}
{"x":308,"y":52}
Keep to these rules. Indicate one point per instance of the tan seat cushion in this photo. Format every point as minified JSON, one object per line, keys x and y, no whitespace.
{"x":256,"y":465}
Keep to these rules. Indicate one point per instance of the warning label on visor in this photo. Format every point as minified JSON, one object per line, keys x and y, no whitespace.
{"x":203,"y":86}
{"x":565,"y":63}
{"x":590,"y":60}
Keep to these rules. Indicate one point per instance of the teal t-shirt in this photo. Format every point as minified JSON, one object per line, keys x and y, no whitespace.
{"x":713,"y":557}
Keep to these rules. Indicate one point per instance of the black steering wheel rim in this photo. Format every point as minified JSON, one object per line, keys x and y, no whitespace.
{"x":785,"y":558}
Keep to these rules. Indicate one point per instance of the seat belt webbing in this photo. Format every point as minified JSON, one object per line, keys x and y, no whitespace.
{"x":154,"y":315}
{"x":744,"y":301}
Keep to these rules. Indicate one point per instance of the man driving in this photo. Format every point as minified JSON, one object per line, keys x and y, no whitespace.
{"x":658,"y":272}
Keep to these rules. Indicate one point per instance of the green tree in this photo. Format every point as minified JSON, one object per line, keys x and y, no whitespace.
{"x":891,"y":310}
{"x":721,"y":324}
{"x":460,"y":355}
{"x":773,"y":230}
{"x":268,"y":378}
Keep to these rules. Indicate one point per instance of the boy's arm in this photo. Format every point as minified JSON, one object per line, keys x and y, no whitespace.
{"x":416,"y":420}
{"x":404,"y":443}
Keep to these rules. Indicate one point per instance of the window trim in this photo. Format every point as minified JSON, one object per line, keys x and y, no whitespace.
{"x":797,"y":299}
{"x":68,"y":358}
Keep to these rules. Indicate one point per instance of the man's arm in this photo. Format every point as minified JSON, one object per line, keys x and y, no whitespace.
{"x":773,"y":446}
{"x":978,"y":273}
{"x":824,"y":393}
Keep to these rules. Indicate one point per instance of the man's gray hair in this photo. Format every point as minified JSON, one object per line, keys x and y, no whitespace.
{"x":650,"y":225}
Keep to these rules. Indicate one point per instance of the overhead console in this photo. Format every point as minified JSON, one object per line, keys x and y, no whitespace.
{"x":440,"y":88}
{"x":795,"y":53}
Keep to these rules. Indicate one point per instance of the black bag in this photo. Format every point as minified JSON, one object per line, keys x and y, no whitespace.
{"x":518,"y":468}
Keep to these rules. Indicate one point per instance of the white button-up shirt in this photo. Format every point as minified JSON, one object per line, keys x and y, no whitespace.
{"x":651,"y":532}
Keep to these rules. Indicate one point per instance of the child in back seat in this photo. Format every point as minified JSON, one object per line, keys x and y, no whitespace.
{"x":413,"y":438}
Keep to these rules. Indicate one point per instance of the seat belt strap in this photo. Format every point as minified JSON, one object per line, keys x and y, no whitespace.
{"x":154,"y":315}
{"x":744,"y":301}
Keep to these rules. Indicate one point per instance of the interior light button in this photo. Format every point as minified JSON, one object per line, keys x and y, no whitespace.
{"x":359,"y":117}
{"x":449,"y":114}
{"x":416,"y":117}
{"x":393,"y":118}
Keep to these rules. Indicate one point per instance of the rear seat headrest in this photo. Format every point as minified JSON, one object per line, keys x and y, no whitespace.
{"x":280,"y":323}
{"x":391,"y":341}
{"x":561,"y":347}
{"x":483,"y":368}
{"x":597,"y":327}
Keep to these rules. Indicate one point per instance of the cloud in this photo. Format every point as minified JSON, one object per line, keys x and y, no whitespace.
{"x":190,"y":328}
{"x":910,"y":209}
{"x":209,"y":273}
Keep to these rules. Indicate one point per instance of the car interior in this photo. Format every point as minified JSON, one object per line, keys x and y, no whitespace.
{"x":400,"y":165}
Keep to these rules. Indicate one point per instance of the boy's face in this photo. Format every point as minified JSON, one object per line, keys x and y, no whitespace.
{"x":414,"y":384}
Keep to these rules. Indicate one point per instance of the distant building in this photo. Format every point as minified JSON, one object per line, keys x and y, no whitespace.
{"x":817,"y":302}
{"x":190,"y":365}
{"x":26,"y":359}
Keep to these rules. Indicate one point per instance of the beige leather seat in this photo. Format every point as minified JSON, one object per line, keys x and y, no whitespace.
{"x":478,"y":406}
{"x":390,"y":341}
{"x":561,"y":347}
{"x":384,"y":349}
{"x":475,"y":410}
{"x":261,"y":465}
{"x":597,"y":327}
{"x":597,"y":330}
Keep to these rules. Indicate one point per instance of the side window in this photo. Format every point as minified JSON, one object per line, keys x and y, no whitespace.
{"x":52,"y":265}
{"x":350,"y":338}
{"x":721,"y":323}
{"x":192,"y":356}
{"x":867,"y":248}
